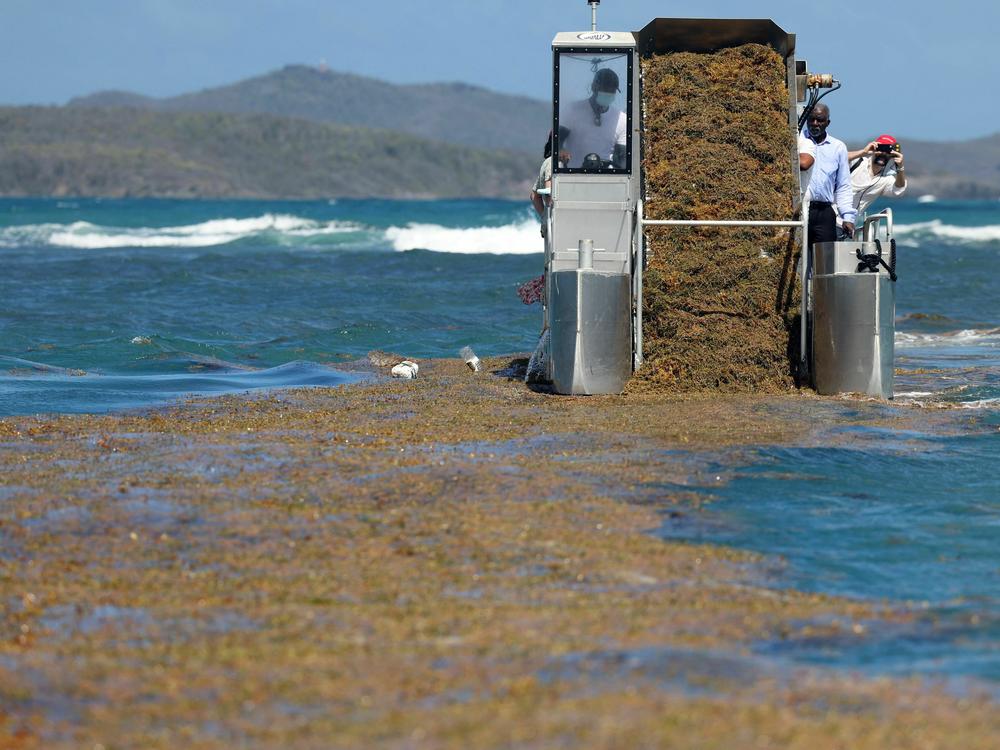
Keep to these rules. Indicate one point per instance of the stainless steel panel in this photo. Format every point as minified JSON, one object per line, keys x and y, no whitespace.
{"x":610,"y":230}
{"x":591,"y":343}
{"x":853,"y":328}
{"x":594,"y":39}
{"x":591,"y":188}
{"x":841,"y":257}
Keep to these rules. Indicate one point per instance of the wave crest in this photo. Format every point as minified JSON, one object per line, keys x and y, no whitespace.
{"x":518,"y":239}
{"x":937,"y":228}
{"x":966,"y":337}
{"x":87,"y":236}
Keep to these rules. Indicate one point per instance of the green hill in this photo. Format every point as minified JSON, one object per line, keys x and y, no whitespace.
{"x":448,"y":112}
{"x":958,"y":169}
{"x":136,"y":152}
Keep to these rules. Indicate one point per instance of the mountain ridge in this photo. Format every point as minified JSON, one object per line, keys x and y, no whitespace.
{"x":450,"y":112}
{"x":119,"y":152}
{"x":461,"y":114}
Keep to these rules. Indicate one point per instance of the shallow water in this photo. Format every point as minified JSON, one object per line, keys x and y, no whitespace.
{"x":912,"y":520}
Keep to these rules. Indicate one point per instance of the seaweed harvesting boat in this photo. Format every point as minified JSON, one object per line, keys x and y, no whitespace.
{"x":676,"y":218}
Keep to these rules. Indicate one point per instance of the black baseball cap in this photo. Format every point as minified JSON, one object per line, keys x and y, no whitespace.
{"x":606,"y":80}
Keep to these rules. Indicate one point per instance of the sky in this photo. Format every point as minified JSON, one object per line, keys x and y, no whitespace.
{"x":915,"y":68}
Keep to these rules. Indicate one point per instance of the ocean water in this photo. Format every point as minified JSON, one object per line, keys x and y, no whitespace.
{"x":115,"y":304}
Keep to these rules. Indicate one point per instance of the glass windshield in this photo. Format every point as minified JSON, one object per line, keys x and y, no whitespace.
{"x":592,"y":110}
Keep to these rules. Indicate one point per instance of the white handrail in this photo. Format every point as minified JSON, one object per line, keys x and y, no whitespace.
{"x":718,"y":223}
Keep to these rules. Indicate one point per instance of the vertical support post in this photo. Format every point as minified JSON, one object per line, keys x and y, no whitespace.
{"x":805,"y":370}
{"x":638,"y":261}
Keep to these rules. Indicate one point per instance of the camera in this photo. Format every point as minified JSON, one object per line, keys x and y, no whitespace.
{"x":887,"y":148}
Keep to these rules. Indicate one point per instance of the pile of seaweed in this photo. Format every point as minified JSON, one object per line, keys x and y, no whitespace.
{"x":720,"y":305}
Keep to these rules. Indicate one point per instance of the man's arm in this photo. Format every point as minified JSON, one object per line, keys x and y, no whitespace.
{"x":844,"y":192}
{"x":870,"y":148}
{"x":536,"y":201}
{"x":899,"y":187}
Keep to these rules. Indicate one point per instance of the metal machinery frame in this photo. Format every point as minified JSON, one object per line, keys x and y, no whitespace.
{"x":603,"y":208}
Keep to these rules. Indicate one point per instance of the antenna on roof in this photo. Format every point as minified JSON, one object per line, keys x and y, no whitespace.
{"x":593,"y":13}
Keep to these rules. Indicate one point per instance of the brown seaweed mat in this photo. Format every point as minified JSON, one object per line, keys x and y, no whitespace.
{"x":720,"y":304}
{"x":449,"y":562}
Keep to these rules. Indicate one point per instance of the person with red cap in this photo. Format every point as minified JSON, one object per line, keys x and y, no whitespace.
{"x":879,"y":172}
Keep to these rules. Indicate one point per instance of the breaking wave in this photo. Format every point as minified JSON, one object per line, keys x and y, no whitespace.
{"x":87,"y":236}
{"x":967,"y":337}
{"x":281,"y":229}
{"x":520,"y":238}
{"x":936,"y":228}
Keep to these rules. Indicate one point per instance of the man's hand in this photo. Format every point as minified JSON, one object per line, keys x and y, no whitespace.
{"x":898,"y":158}
{"x":871,"y":147}
{"x":849,"y":228}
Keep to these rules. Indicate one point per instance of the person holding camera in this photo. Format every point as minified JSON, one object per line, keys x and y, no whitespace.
{"x":879,"y":172}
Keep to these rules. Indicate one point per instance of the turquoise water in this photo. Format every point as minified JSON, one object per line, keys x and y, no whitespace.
{"x":109,"y":305}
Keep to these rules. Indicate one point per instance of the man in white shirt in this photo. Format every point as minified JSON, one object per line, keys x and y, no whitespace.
{"x":807,"y":157}
{"x":594,"y":126}
{"x":880,"y":172}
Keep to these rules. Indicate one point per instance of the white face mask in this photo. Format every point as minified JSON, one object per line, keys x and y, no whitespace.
{"x":604,"y":98}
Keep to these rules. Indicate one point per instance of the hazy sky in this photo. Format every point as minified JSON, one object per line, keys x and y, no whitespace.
{"x":916,"y":68}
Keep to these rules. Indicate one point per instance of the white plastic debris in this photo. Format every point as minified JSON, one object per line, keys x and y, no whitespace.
{"x":470,"y":358}
{"x":406,"y":369}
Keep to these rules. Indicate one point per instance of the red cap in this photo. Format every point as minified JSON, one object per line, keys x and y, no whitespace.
{"x":886,"y":140}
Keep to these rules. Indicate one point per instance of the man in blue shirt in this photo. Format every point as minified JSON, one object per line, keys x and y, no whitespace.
{"x":830,"y":183}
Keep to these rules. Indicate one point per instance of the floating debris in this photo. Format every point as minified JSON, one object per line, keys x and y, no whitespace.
{"x":471,"y":360}
{"x":406,"y":369}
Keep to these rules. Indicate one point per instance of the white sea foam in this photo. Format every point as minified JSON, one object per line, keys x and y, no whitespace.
{"x":969,"y":336}
{"x":927,"y":199}
{"x":519,"y":238}
{"x":84,"y":235}
{"x":984,"y":403}
{"x":936,"y":228}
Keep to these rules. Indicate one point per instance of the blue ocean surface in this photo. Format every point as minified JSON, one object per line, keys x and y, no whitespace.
{"x":111,"y":304}
{"x":116,"y":304}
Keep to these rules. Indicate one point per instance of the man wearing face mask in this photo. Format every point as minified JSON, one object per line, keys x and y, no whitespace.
{"x":830,"y":184}
{"x":594,"y":126}
{"x":879,"y":173}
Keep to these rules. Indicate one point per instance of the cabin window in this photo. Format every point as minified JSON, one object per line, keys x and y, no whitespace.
{"x":592,"y":104}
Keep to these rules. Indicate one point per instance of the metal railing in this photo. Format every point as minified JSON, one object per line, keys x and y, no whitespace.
{"x":873,"y":222}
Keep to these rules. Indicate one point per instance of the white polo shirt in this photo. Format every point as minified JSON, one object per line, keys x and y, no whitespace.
{"x":587,"y":136}
{"x":869,"y":187}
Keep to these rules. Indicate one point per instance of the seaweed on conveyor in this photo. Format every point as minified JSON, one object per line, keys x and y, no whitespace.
{"x":720,"y":305}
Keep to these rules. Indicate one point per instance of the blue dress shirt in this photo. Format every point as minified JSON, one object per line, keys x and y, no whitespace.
{"x":831,"y":176}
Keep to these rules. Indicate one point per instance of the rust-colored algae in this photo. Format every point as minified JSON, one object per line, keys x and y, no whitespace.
{"x":449,"y":562}
{"x":719,"y":304}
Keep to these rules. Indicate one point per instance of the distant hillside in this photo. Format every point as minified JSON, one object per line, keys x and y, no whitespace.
{"x":957,"y":169}
{"x":449,"y":112}
{"x":135,"y":152}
